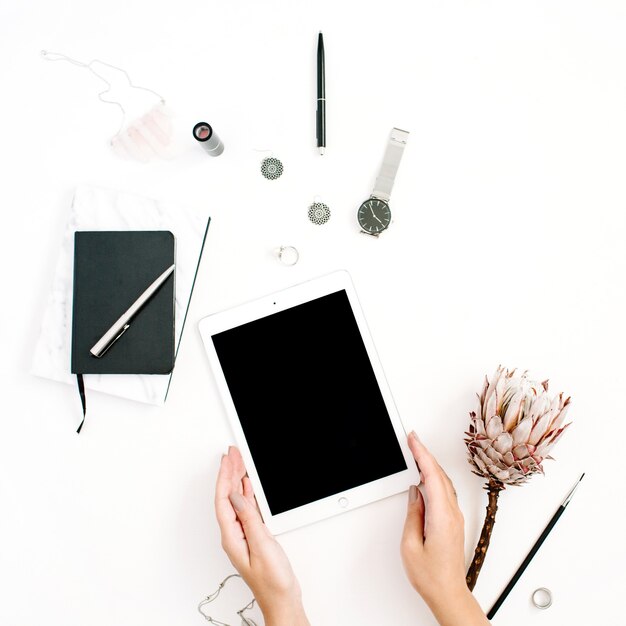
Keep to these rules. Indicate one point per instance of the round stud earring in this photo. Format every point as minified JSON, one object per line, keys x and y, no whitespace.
{"x":271,"y":168}
{"x":319,"y":213}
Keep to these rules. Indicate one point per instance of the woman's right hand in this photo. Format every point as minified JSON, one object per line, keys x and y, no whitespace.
{"x":433,"y":545}
{"x":252,"y":549}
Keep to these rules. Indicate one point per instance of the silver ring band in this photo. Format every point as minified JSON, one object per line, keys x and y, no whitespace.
{"x":542,"y":598}
{"x":288,"y":255}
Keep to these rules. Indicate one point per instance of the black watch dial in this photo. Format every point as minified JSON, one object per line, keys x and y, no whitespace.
{"x":374,"y":216}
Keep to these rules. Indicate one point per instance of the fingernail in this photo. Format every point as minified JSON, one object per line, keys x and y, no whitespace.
{"x":414,"y":435}
{"x":236,"y":499}
{"x":412,"y":494}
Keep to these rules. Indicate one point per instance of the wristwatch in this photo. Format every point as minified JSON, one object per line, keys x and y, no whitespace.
{"x":374,"y":215}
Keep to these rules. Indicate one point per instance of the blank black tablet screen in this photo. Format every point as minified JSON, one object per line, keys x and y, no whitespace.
{"x":308,"y":402}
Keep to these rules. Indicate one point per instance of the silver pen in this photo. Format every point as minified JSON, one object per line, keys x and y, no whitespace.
{"x":123,"y":323}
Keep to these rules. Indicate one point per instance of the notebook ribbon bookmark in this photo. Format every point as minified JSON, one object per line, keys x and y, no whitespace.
{"x":83,"y":399}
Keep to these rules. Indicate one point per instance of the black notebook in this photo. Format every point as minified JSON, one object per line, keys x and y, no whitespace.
{"x":111,"y":270}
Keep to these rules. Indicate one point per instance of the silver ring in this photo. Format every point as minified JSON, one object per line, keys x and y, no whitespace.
{"x":288,"y":255}
{"x":542,"y":598}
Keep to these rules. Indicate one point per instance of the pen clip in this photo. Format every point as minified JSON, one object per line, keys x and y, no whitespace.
{"x":108,"y":346}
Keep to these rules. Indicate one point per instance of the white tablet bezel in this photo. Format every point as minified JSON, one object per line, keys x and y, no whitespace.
{"x":273,"y":303}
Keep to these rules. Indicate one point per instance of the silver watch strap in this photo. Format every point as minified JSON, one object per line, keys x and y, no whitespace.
{"x":391,"y":162}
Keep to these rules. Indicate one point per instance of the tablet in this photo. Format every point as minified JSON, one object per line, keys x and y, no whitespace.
{"x":308,"y":403}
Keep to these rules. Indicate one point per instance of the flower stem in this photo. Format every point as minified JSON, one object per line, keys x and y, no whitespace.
{"x":494,"y":488}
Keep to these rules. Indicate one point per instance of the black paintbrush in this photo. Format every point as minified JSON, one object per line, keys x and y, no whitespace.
{"x":533,"y":550}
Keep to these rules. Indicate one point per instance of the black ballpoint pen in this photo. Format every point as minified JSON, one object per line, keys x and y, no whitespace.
{"x":533,"y":551}
{"x":320,"y":115}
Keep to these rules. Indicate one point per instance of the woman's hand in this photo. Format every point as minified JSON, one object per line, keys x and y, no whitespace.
{"x":433,"y":545}
{"x":252,"y":549}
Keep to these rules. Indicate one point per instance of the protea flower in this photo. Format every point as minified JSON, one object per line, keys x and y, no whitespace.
{"x":516,"y":425}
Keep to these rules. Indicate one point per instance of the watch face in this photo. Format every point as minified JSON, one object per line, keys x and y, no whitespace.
{"x":374,"y":216}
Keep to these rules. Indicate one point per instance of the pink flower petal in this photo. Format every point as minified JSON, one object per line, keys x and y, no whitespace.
{"x":480,"y":427}
{"x":494,"y":427}
{"x":560,"y":418}
{"x":540,"y":428}
{"x":491,"y":405}
{"x":512,"y":411}
{"x":522,"y":430}
{"x":494,"y":455}
{"x":521,"y":451}
{"x":503,"y":443}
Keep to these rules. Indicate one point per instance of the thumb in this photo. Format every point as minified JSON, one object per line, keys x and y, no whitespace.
{"x":250,"y":518}
{"x":413,"y":533}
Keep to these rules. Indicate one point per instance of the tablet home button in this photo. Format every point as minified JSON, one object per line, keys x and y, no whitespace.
{"x":343,"y":502}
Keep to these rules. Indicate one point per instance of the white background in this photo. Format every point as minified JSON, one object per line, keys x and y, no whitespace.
{"x":507,"y":247}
